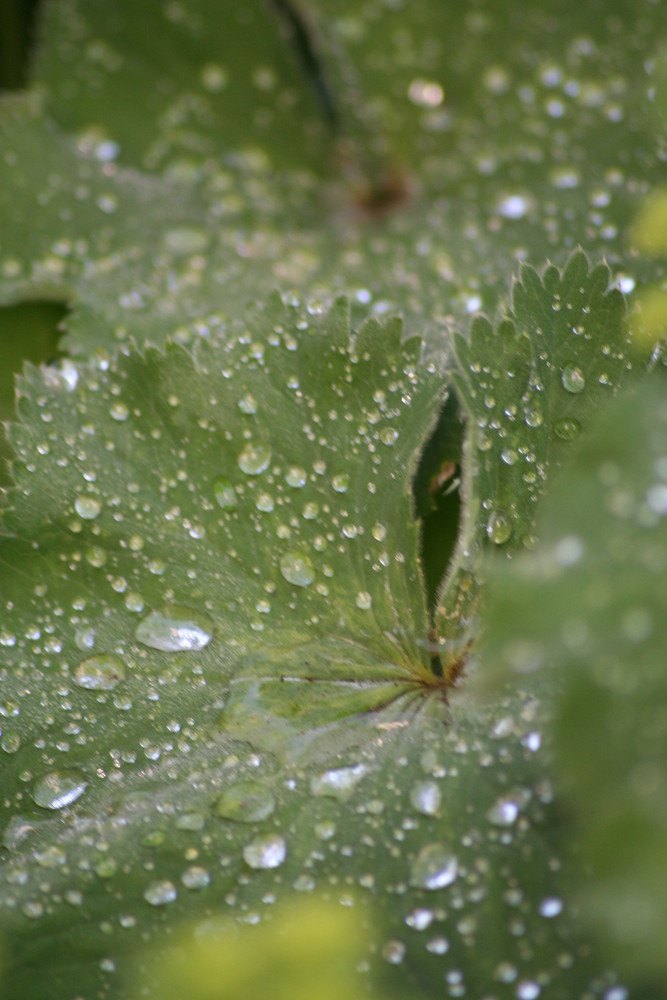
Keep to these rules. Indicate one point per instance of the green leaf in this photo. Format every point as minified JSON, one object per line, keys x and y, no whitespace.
{"x":530,"y":386}
{"x":588,"y":607}
{"x":217,"y":678}
{"x":487,"y":173}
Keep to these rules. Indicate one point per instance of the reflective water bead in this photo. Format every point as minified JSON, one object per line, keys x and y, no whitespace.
{"x":254,"y":459}
{"x":338,"y":783}
{"x":160,"y":892}
{"x":175,"y":628}
{"x":567,"y":429}
{"x":195,"y":877}
{"x":499,"y":528}
{"x":295,"y":477}
{"x":99,"y":673}
{"x":266,"y":851}
{"x":434,"y":868}
{"x":503,"y":812}
{"x":389,"y":436}
{"x":59,"y":789}
{"x":426,"y":797}
{"x":297,"y":568}
{"x":341,"y":483}
{"x":225,"y":495}
{"x":573,"y":379}
{"x":248,"y":404}
{"x":87,"y":507}
{"x":393,"y":952}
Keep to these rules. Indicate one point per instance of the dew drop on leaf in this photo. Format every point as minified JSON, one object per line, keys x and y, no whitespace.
{"x":499,"y":527}
{"x":295,"y":477}
{"x":245,"y":802}
{"x":195,"y":877}
{"x":254,"y":459}
{"x":434,"y":868}
{"x":99,"y":673}
{"x":248,"y":404}
{"x":224,"y":493}
{"x":160,"y":892}
{"x":567,"y":429}
{"x":341,"y":483}
{"x":338,"y":783}
{"x":297,"y":568}
{"x":266,"y":851}
{"x":393,"y":952}
{"x":573,"y":379}
{"x":87,"y":507}
{"x":426,"y":797}
{"x":175,"y":628}
{"x":503,"y":812}
{"x":59,"y":789}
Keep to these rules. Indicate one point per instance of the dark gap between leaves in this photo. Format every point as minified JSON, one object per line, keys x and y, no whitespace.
{"x":437,"y":498}
{"x":29,"y":331}
{"x":17,"y":33}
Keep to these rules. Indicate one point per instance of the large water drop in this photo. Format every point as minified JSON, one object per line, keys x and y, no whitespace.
{"x":174,"y":628}
{"x":59,"y":789}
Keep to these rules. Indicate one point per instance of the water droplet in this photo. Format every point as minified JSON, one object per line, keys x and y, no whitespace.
{"x":266,"y":851}
{"x":195,"y":877}
{"x":11,"y":742}
{"x":434,"y":868}
{"x":295,"y":476}
{"x":59,"y":789}
{"x":533,"y":416}
{"x":426,"y":797}
{"x":551,"y":907}
{"x":297,"y":568}
{"x":503,"y":812}
{"x":573,"y":379}
{"x":656,"y":498}
{"x":389,"y":436}
{"x":364,"y":600}
{"x":514,"y":206}
{"x":99,"y":673}
{"x":213,"y":78}
{"x":528,"y":990}
{"x":254,"y":459}
{"x":499,"y":527}
{"x":393,"y":952}
{"x":87,"y":507}
{"x":426,"y":93}
{"x":338,"y":783}
{"x":175,"y":628}
{"x":567,"y":429}
{"x":160,"y":892}
{"x":341,"y":483}
{"x":248,"y":404}
{"x":119,"y":411}
{"x":225,"y":494}
{"x":245,"y":802}
{"x":379,"y":532}
{"x":509,"y":456}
